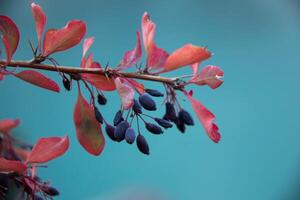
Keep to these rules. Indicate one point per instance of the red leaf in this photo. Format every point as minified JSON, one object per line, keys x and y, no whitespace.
{"x":186,"y":55}
{"x":101,"y":82}
{"x":64,"y":38}
{"x":156,"y":57}
{"x":38,"y":79}
{"x":136,"y":85}
{"x":205,"y":117}
{"x":10,"y":36}
{"x":88,"y":129}
{"x":210,"y":75}
{"x":1,"y":76}
{"x":47,"y":149}
{"x":11,"y":166}
{"x":40,"y":20}
{"x":126,"y":93}
{"x":7,"y":124}
{"x":133,"y":56}
{"x":87,"y":44}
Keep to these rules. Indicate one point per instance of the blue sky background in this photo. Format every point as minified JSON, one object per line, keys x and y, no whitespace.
{"x":255,"y":42}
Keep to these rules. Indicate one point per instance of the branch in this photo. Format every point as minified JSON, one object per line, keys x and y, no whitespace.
{"x":77,"y":70}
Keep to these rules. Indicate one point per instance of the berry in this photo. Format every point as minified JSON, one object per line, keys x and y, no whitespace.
{"x":121,"y":130}
{"x":118,"y":118}
{"x":164,"y":123}
{"x":147,"y":102}
{"x":67,"y":83}
{"x":130,"y":135}
{"x":185,"y":117}
{"x":170,"y":112}
{"x":50,"y":190}
{"x":153,"y":128}
{"x":110,"y":131}
{"x":98,"y":115}
{"x":180,"y":125}
{"x":142,"y":144}
{"x":101,"y":99}
{"x":137,"y":108}
{"x":154,"y":93}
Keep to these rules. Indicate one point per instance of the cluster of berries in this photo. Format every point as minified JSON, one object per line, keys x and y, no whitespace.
{"x":121,"y":128}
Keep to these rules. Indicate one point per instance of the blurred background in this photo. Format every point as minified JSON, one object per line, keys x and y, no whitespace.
{"x":255,"y":42}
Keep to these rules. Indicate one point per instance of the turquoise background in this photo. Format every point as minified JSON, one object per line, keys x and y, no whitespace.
{"x":255,"y":42}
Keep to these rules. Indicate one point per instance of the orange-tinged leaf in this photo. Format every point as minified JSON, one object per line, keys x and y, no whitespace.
{"x":10,"y":36}
{"x":87,"y":44}
{"x":126,"y":93}
{"x":186,"y":55}
{"x":140,"y":88}
{"x":11,"y":166}
{"x":88,"y":129}
{"x":40,"y":20}
{"x":47,"y":149}
{"x":7,"y":124}
{"x":38,"y":79}
{"x":64,"y":38}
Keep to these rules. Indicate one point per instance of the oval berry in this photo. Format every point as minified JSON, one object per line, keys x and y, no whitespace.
{"x":50,"y":190}
{"x":121,"y":130}
{"x":164,"y":123}
{"x":98,"y":115}
{"x":170,"y":112}
{"x":147,"y":102}
{"x":142,"y":144}
{"x":180,"y":125}
{"x":118,"y":118}
{"x":186,"y":117}
{"x":154,"y":93}
{"x":101,"y":99}
{"x":67,"y":83}
{"x":137,"y":108}
{"x":110,"y":131}
{"x":130,"y":135}
{"x":153,"y":128}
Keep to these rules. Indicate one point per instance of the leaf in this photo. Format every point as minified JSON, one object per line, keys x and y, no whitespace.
{"x":140,"y":88}
{"x":210,"y":75}
{"x":186,"y":55}
{"x":156,"y":57}
{"x":40,"y":20}
{"x":88,"y":129}
{"x":87,"y":44}
{"x":101,"y":82}
{"x":38,"y":79}
{"x":205,"y":117}
{"x":64,"y":38}
{"x":131,"y":57}
{"x":7,"y":124}
{"x":126,"y":93}
{"x":47,"y":149}
{"x":11,"y":166}
{"x":10,"y":36}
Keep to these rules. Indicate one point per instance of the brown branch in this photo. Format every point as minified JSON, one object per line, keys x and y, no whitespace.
{"x":78,"y":70}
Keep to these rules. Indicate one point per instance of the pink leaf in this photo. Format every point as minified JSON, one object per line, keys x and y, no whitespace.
{"x":195,"y":68}
{"x":134,"y":84}
{"x":186,"y":55}
{"x":156,"y":57}
{"x":47,"y":149}
{"x":64,"y":38}
{"x":88,"y":129}
{"x":205,"y":117}
{"x":38,"y":79}
{"x":10,"y":36}
{"x":40,"y":20}
{"x":126,"y":93}
{"x":87,"y":44}
{"x":210,"y":75}
{"x":12,"y":166}
{"x":133,"y":56}
{"x":101,"y":82}
{"x":7,"y":124}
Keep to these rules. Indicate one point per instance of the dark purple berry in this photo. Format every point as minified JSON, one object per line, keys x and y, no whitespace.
{"x":142,"y":144}
{"x":154,"y":93}
{"x":98,"y":115}
{"x":118,"y":118}
{"x":110,"y":131}
{"x":186,"y":117}
{"x":147,"y":102}
{"x":67,"y":83}
{"x":130,"y":135}
{"x":37,"y":197}
{"x":153,"y":128}
{"x":50,"y":190}
{"x":121,"y":130}
{"x":101,"y":99}
{"x":137,"y":108}
{"x":164,"y":123}
{"x":170,"y":112}
{"x":180,"y":125}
